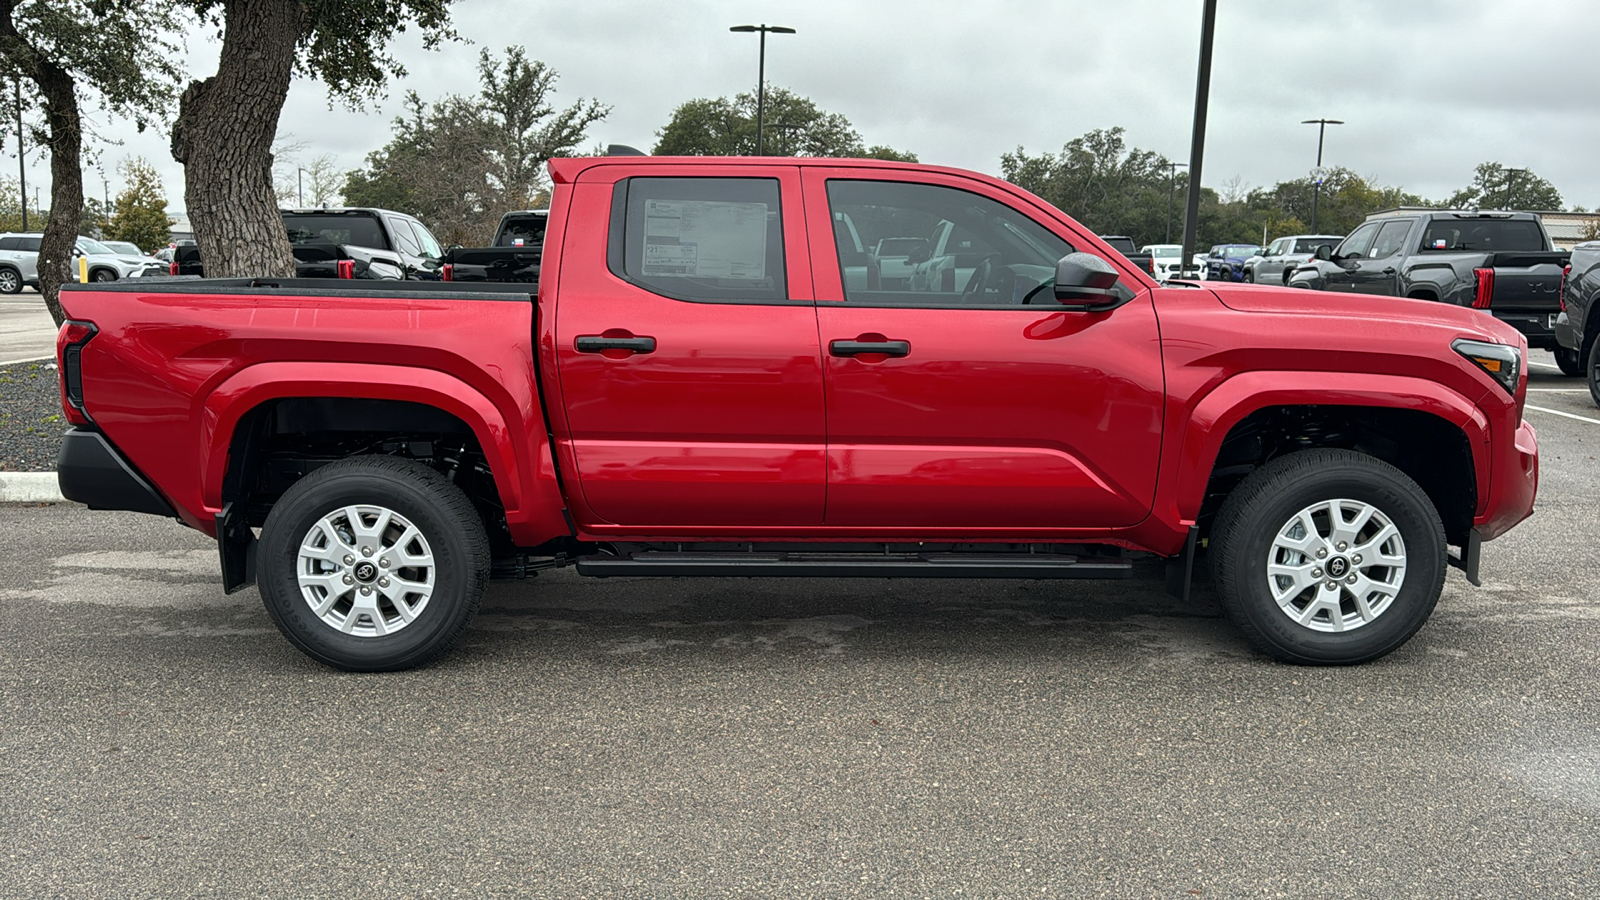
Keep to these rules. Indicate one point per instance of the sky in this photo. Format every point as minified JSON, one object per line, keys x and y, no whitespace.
{"x":1427,"y":88}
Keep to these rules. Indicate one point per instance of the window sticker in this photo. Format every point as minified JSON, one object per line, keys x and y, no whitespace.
{"x":1440,"y":243}
{"x":705,"y":239}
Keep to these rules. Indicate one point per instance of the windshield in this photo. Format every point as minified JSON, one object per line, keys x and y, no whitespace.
{"x":1236,"y":250}
{"x":94,"y":248}
{"x":1483,"y":234}
{"x":354,"y":229}
{"x":1163,"y":251}
{"x":899,"y":246}
{"x":1310,"y":245}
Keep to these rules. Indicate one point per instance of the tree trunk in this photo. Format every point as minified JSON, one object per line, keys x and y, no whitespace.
{"x":65,"y":140}
{"x":223,"y":137}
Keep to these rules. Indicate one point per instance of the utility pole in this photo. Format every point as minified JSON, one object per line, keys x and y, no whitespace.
{"x":1172,"y":184}
{"x":22,"y":159}
{"x":1319,"y":173}
{"x":1197,"y":144}
{"x":1511,"y":179}
{"x":761,"y":73}
{"x":300,"y":187}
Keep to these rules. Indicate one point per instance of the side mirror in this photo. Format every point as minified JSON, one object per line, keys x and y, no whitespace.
{"x":1323,"y":252}
{"x":1085,"y":281}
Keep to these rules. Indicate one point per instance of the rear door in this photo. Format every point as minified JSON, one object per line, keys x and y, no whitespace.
{"x":690,"y":374}
{"x":979,"y":403}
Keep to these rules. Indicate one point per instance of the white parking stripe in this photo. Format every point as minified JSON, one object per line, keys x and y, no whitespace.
{"x":1559,"y":390}
{"x":1557,"y":412}
{"x":17,"y":362}
{"x":1547,"y":368}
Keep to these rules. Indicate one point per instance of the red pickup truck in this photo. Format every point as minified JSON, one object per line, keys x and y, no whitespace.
{"x":708,"y":382}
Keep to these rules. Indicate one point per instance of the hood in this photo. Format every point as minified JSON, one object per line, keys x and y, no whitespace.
{"x":1365,"y":312}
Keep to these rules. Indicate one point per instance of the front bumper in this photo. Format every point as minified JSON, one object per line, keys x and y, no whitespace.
{"x":92,"y":472}
{"x":1513,"y":484}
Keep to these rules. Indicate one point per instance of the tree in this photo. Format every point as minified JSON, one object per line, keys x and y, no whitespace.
{"x":140,"y":213}
{"x":1100,"y":181}
{"x":112,"y":51}
{"x":313,"y":184}
{"x":1496,"y":187}
{"x":794,"y":126}
{"x":461,"y":162}
{"x":226,"y":123}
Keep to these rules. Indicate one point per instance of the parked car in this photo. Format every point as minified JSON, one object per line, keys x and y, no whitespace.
{"x":1577,"y":326}
{"x":125,"y":248}
{"x":515,"y":257}
{"x":1168,"y":260}
{"x":362,"y":243}
{"x":1124,"y":245}
{"x":731,"y":404}
{"x":19,"y":262}
{"x":1281,"y":257}
{"x":1499,"y":262}
{"x":1226,"y":261}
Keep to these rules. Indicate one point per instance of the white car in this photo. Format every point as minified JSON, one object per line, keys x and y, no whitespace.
{"x":1168,"y":259}
{"x":106,"y":264}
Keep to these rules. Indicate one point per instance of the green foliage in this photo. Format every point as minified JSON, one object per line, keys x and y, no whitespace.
{"x":462,"y":162}
{"x":1494,"y":186}
{"x":793,"y":126}
{"x":11,"y":208}
{"x":1114,"y":189}
{"x":140,"y":213}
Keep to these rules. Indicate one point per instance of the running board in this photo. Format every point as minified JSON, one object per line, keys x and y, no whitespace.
{"x":855,"y":565}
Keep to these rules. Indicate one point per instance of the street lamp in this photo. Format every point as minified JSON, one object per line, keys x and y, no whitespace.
{"x":22,"y":159}
{"x":1511,"y":179}
{"x":1319,"y":173}
{"x":1172,"y":181}
{"x":300,"y":186}
{"x":761,"y":72}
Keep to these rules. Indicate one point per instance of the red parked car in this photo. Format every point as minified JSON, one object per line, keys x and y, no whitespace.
{"x":709,"y":381}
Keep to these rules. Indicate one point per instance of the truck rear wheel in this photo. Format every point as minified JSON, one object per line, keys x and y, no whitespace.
{"x":1328,"y":557}
{"x":373,"y":564}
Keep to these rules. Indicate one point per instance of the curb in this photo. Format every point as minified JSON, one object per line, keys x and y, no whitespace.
{"x":30,"y":487}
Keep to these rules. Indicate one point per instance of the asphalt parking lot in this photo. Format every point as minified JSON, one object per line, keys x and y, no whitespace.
{"x":800,"y":738}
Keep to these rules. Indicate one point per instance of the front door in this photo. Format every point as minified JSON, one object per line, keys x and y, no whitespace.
{"x":978,"y":403}
{"x":690,"y":374}
{"x":1379,"y":272}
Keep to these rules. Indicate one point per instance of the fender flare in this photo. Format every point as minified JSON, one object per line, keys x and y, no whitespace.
{"x":1215,"y":414}
{"x":248,"y":388}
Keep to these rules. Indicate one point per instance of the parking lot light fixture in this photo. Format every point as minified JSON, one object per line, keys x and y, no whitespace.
{"x":761,"y":72}
{"x":1318,"y":174}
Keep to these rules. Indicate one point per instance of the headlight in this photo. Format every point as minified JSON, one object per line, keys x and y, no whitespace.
{"x":1503,"y":362}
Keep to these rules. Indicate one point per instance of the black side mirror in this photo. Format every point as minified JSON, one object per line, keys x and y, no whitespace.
{"x":1324,"y":253}
{"x":1085,"y":281}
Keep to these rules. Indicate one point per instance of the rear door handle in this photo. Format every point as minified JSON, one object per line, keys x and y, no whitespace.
{"x":595,"y":343}
{"x":856,"y":348}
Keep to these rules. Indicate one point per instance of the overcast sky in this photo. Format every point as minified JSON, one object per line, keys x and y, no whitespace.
{"x":1429,"y":88}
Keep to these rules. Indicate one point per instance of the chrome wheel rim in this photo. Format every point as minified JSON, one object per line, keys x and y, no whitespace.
{"x":9,"y":281}
{"x":1336,"y":565}
{"x":365,"y":571}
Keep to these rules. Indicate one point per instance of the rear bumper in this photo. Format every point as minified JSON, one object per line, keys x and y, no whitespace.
{"x":92,"y":472}
{"x":1537,"y":327}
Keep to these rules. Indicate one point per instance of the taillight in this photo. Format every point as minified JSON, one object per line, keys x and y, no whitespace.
{"x":1566,"y":271}
{"x":447,"y":272}
{"x":69,"y":355}
{"x":1152,"y":265}
{"x":346,"y":268}
{"x":172,"y":268}
{"x":1480,"y":300}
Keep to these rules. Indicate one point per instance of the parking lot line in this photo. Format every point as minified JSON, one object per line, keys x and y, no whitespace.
{"x":1545,"y":366}
{"x":1557,"y":412}
{"x":1559,"y":390}
{"x":15,"y":362}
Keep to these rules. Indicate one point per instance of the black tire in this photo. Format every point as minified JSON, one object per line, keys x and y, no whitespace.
{"x":102,"y":275}
{"x":10,"y":280}
{"x":1592,"y":370}
{"x":455,"y":540}
{"x":1249,"y":277}
{"x":1568,"y":362}
{"x":1242,"y":544}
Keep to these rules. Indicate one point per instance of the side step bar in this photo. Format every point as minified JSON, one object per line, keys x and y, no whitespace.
{"x":856,"y":565}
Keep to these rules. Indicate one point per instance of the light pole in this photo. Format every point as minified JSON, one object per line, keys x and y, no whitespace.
{"x":761,"y":72}
{"x":1197,"y":142}
{"x":1511,"y":179}
{"x":300,"y":186}
{"x":1172,"y":184}
{"x":22,"y":159}
{"x":1319,"y":173}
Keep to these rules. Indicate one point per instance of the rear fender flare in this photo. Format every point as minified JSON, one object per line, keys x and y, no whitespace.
{"x":1232,"y":400}
{"x":250,"y":387}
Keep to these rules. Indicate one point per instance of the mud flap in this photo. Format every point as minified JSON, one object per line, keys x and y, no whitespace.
{"x":1180,"y":568}
{"x":236,"y":544}
{"x":1467,"y":559}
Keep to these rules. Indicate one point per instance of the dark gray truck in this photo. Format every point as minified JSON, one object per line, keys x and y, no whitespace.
{"x":1125,"y":245}
{"x":353,"y":242}
{"x":1578,"y":324}
{"x":515,"y":257}
{"x":1500,"y":262}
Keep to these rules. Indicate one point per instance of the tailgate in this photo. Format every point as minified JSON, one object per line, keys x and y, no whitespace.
{"x":1529,"y":282}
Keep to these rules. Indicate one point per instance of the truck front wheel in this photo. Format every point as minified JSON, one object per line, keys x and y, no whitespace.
{"x":373,"y":564}
{"x":1328,"y":557}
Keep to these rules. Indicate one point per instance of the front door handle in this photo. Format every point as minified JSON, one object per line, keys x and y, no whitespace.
{"x":1389,"y":271}
{"x":599,"y":343}
{"x":857,"y":348}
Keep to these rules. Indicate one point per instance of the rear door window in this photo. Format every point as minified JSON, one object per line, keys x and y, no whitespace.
{"x":702,"y":239}
{"x":1391,"y":239}
{"x":404,"y":236}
